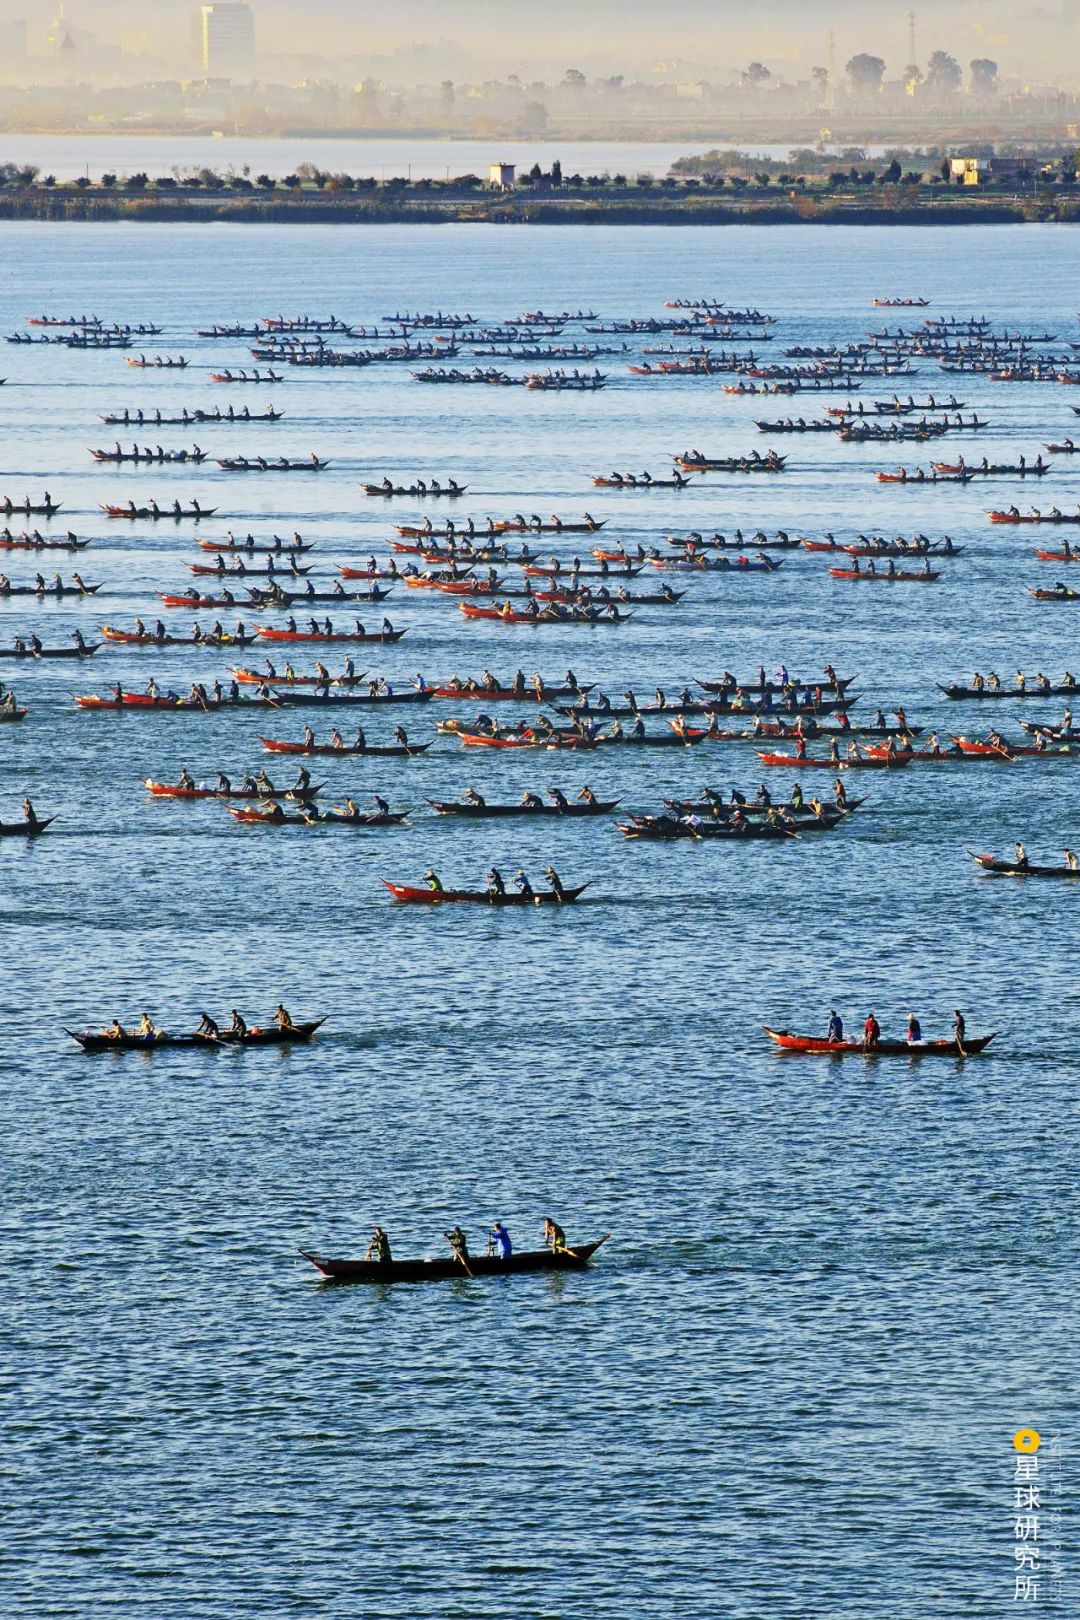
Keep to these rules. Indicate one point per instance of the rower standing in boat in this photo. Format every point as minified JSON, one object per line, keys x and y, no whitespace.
{"x":836,"y":1027}
{"x":871,"y":1032}
{"x":496,"y":887}
{"x":30,"y":815}
{"x":207,"y":1027}
{"x":458,"y":1241}
{"x":959,"y":1027}
{"x":554,"y":1236}
{"x":525,"y":888}
{"x":282,"y":1019}
{"x":1021,"y":857}
{"x":555,"y":881}
{"x":379,"y":1247}
{"x":499,"y":1242}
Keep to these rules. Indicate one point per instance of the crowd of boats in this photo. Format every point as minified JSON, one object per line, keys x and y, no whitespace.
{"x":494,"y":572}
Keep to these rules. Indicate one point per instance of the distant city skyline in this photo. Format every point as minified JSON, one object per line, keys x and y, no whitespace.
{"x":487,"y":38}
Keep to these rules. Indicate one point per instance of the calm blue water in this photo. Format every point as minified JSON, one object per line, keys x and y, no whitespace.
{"x":833,"y":1291}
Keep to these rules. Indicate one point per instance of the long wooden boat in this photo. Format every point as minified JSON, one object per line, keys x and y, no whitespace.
{"x":894,"y":761}
{"x":27,"y":542}
{"x":527,"y":739}
{"x":633,"y":482}
{"x":883,"y":548}
{"x":411,"y":895}
{"x":1057,"y":594}
{"x":49,"y":590}
{"x":998,"y":868}
{"x":172,"y":790}
{"x":267,"y":633}
{"x":154,"y":512}
{"x":510,"y":694}
{"x":926,"y":577}
{"x":671,"y":828}
{"x":25,"y":829}
{"x":240,"y":570}
{"x":157,"y":458}
{"x":86,"y":650}
{"x":132,"y":638}
{"x":414,"y":490}
{"x":357,"y":700}
{"x":278,"y":546}
{"x":957,"y":692}
{"x":263,"y":818}
{"x":257,"y":677}
{"x":985,"y":750}
{"x":28,"y":508}
{"x":259,"y":464}
{"x":194,"y":600}
{"x":449,"y":1268}
{"x":478,"y":812}
{"x":1034,"y":517}
{"x":547,"y":616}
{"x":93,"y":1041}
{"x":391,"y":750}
{"x":628,"y":570}
{"x":811,"y":1043}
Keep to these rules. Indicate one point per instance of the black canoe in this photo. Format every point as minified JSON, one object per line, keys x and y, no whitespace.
{"x":601,"y":807}
{"x":1032,"y":691}
{"x":447,"y":1268}
{"x":25,"y":829}
{"x":92,"y":1041}
{"x":356,"y":699}
{"x":87,"y":650}
{"x":1010,"y":869}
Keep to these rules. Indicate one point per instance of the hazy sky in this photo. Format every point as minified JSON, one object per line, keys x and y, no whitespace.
{"x":1024,"y":36}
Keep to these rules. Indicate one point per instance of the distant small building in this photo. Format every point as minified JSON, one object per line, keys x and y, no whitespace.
{"x":501,"y":176}
{"x":965,"y":170}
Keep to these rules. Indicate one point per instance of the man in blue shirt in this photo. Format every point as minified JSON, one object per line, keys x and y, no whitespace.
{"x":500,"y":1239}
{"x":836,"y":1027}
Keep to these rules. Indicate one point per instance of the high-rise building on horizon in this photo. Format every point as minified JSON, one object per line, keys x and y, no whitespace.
{"x":227,"y":41}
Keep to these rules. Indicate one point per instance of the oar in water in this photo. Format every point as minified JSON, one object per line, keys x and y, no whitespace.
{"x":459,"y":1256}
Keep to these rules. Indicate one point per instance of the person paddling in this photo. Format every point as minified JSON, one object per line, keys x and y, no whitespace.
{"x":379,"y":1247}
{"x":871,"y":1033}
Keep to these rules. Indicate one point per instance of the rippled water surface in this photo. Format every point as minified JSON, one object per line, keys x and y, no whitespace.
{"x":788,"y":1385}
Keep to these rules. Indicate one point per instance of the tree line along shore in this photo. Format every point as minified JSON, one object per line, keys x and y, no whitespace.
{"x":879,"y":194}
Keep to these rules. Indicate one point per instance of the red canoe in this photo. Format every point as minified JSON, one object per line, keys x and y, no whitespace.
{"x":812,"y":1043}
{"x":267,"y":634}
{"x":437,"y":897}
{"x":884,"y":578}
{"x":868,"y":762}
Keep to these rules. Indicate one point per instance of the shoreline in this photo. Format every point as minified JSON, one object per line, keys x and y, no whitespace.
{"x":54,"y":207}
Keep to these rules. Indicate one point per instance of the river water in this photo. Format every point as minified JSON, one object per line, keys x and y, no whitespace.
{"x":833,"y":1290}
{"x":68,"y":156}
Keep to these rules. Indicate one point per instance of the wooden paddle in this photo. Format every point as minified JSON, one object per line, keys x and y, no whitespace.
{"x":459,"y":1256}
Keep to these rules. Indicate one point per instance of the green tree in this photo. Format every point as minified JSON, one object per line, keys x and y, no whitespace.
{"x":984,"y":74}
{"x":943,"y":73}
{"x":866,"y":73}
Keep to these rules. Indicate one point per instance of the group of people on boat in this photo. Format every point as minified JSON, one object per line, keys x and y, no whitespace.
{"x":871,"y":1030}
{"x":237,"y":1028}
{"x":499,"y":1243}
